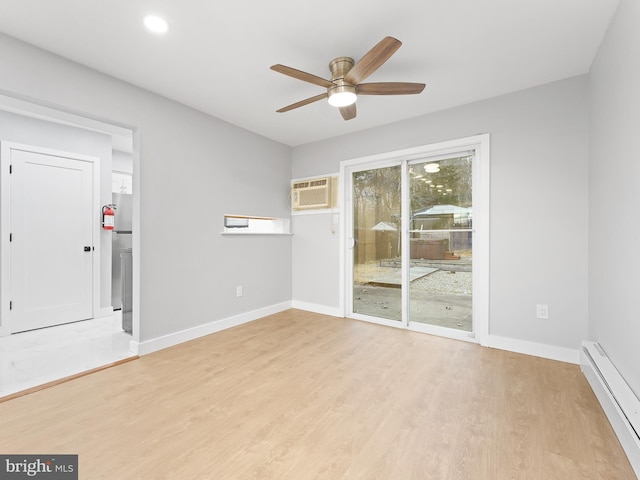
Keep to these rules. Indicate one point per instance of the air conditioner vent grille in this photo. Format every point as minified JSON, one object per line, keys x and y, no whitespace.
{"x":310,"y":198}
{"x":315,"y":193}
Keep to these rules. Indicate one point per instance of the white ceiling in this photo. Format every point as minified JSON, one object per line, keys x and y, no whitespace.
{"x":216,"y":55}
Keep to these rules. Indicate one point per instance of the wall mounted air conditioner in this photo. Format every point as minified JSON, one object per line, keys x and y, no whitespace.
{"x":315,"y":193}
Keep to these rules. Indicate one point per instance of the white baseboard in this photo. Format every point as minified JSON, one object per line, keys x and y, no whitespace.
{"x":315,"y":308}
{"x":617,"y":399}
{"x":542,"y":350}
{"x":155,"y":344}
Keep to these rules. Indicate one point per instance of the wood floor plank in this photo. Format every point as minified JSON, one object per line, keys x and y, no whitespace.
{"x":300,"y":396}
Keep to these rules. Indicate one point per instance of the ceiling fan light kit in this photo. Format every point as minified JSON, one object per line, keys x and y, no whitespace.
{"x":346,"y":77}
{"x":342,"y":96}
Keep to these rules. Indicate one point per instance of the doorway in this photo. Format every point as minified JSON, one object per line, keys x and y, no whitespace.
{"x":23,"y":122}
{"x":39,"y":355}
{"x":416,"y":238}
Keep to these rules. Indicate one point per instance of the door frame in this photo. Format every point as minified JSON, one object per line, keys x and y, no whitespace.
{"x":481,"y":203}
{"x":123,"y":136}
{"x":6,"y":148}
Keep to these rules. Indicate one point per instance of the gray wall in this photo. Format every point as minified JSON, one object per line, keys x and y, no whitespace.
{"x":316,"y":251}
{"x":193,"y":169}
{"x":39,"y":133}
{"x":614,"y":194}
{"x":538,"y":233}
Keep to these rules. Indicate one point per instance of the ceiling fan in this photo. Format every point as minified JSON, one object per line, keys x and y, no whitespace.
{"x":346,"y":77}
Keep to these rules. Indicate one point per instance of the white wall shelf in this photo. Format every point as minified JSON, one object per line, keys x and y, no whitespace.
{"x":251,"y":225}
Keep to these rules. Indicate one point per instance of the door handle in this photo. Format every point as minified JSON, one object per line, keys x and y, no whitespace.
{"x":87,"y":249}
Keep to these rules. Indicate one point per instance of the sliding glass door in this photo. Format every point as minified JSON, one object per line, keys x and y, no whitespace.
{"x":441,"y":242}
{"x":410,"y":242}
{"x":376,"y":243}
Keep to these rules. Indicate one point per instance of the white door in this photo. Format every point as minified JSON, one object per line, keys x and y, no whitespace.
{"x":51,"y":244}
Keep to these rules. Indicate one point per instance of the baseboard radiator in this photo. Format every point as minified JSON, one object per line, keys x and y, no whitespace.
{"x":620,"y":404}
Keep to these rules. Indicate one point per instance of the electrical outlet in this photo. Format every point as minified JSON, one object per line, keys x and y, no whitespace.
{"x":239,"y":291}
{"x":542,"y":311}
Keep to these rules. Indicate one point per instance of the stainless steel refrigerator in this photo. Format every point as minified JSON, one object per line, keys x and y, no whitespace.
{"x":121,"y":243}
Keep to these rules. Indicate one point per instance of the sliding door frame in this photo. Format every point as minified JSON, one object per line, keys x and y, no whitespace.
{"x":480,"y":144}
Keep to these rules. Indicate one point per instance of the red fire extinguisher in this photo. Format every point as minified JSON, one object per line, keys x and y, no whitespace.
{"x":108,"y":216}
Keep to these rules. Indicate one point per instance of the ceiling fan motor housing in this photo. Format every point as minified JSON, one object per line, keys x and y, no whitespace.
{"x":339,"y":68}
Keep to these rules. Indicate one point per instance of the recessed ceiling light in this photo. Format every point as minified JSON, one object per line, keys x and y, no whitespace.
{"x":156,"y":24}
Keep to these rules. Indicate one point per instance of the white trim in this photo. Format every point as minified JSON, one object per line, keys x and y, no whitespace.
{"x":137,"y":250}
{"x":5,"y":217}
{"x":346,"y":241}
{"x":342,"y":238}
{"x":552,"y":352}
{"x":316,"y":308}
{"x":440,"y":148}
{"x":405,"y":242}
{"x":618,"y":401}
{"x":481,"y":202}
{"x":120,"y":134}
{"x":481,"y":236}
{"x":166,"y":341}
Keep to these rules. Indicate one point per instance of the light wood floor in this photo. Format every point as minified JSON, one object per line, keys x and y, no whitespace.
{"x":303,"y":396}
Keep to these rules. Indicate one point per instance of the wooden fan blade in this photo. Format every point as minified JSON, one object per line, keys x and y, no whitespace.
{"x":300,"y":75}
{"x":372,"y":60}
{"x":348,"y":112}
{"x":390,"y":88}
{"x":302,"y":103}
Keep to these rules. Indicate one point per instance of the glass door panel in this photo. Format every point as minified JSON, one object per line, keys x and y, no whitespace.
{"x":441,"y":242}
{"x":377,"y":272}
